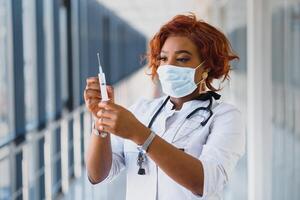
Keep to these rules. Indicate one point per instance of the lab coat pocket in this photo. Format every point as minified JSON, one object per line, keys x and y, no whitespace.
{"x":188,"y":127}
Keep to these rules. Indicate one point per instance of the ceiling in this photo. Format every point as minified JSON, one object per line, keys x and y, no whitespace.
{"x":148,"y":15}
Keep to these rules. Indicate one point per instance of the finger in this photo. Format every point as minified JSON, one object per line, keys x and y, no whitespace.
{"x":110,"y":91}
{"x":94,"y":86}
{"x":88,"y":98}
{"x":106,"y":129}
{"x":94,"y":101}
{"x":108,"y":105}
{"x":104,"y":122}
{"x":92,"y":93}
{"x":92,"y":80}
{"x":110,"y":88}
{"x":102,"y":113}
{"x":92,"y":105}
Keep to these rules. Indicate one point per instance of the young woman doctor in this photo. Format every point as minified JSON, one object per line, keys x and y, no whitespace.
{"x":184,"y":145}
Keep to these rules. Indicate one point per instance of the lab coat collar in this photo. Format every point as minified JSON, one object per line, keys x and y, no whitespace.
{"x":185,"y":110}
{"x":187,"y":106}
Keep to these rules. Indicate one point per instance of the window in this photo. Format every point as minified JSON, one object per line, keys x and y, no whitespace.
{"x":105,"y":53}
{"x":285,"y":81}
{"x":5,"y":181}
{"x":235,"y":24}
{"x":64,"y":54}
{"x":5,"y":67}
{"x":30,"y":73}
{"x":49,"y":59}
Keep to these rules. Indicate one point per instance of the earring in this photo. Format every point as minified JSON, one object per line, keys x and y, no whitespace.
{"x":202,"y":82}
{"x":204,"y":75}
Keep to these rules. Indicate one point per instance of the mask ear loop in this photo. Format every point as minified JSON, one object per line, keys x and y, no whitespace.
{"x":200,"y":65}
{"x":204,"y":75}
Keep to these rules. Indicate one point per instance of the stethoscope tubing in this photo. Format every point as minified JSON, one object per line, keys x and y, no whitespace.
{"x":141,"y":156}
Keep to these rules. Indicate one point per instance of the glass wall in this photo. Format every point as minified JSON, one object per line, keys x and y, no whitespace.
{"x":231,"y":18}
{"x":285,"y":62}
{"x":286,"y":98}
{"x":49,"y":58}
{"x":38,"y":79}
{"x":29,"y":45}
{"x":64,"y":55}
{"x":5,"y":180}
{"x":5,"y":87}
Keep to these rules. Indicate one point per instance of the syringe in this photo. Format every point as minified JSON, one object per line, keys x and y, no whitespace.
{"x":102,"y":81}
{"x":103,"y":90}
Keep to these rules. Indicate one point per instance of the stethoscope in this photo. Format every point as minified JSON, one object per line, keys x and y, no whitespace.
{"x":210,"y":95}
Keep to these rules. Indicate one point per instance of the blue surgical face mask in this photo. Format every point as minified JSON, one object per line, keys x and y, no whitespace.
{"x":177,"y":81}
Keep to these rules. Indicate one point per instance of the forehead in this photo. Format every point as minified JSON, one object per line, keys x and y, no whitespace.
{"x":176,"y":43}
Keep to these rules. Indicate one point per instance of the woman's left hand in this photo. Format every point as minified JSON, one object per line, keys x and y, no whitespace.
{"x":119,"y":121}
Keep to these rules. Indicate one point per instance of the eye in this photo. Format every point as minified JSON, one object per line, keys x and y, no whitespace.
{"x":162,"y":58}
{"x":184,"y":60}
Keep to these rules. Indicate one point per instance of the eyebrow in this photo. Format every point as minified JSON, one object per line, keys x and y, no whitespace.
{"x":179,"y":52}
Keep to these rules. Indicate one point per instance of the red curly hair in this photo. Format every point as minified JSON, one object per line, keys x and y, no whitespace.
{"x":212,"y":45}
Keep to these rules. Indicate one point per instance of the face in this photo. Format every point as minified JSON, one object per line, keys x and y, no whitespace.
{"x":181,"y":51}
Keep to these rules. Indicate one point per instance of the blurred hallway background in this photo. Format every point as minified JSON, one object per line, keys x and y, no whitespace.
{"x":48,"y":49}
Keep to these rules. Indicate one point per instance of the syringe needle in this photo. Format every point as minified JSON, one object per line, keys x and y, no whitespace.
{"x":99,"y":63}
{"x":98,"y":55}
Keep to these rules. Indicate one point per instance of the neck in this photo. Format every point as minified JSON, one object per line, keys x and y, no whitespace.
{"x":178,"y":102}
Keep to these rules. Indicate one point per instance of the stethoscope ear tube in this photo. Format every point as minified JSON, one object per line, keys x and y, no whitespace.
{"x":204,"y":122}
{"x":207,"y":109}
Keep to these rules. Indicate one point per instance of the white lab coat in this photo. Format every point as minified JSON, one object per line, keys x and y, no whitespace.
{"x":218,"y":145}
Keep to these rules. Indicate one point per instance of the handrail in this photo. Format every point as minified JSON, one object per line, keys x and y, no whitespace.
{"x":34,"y":135}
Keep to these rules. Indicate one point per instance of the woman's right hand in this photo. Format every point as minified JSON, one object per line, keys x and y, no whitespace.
{"x":92,"y":94}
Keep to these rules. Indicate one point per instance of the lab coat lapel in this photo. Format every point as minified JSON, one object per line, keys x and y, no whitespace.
{"x":187,"y":126}
{"x":159,"y":125}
